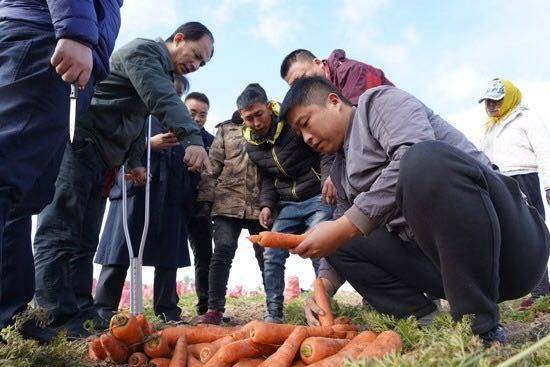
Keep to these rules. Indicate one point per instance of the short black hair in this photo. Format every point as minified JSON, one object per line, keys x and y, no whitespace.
{"x":193,"y":31}
{"x":186,"y":83}
{"x":253,"y":93}
{"x":199,"y":97}
{"x":292,"y":57}
{"x":307,"y":91}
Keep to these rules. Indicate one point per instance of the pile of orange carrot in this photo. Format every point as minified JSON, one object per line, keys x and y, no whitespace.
{"x":133,"y":341}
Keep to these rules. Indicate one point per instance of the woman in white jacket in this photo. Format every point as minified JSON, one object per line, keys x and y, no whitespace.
{"x":518,"y":142}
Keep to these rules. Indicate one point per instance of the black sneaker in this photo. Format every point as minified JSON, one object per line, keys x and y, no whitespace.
{"x":31,"y":329}
{"x":495,"y":335}
{"x":75,"y":328}
{"x":92,"y":320}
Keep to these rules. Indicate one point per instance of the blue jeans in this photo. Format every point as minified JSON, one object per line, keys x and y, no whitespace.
{"x":68,"y":233}
{"x":34,"y":124}
{"x":294,"y":217}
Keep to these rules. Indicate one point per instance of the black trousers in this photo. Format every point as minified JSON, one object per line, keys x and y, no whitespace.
{"x":226,"y":236}
{"x":111,"y":282}
{"x":199,"y":230}
{"x":530,"y":185}
{"x":478,"y":242}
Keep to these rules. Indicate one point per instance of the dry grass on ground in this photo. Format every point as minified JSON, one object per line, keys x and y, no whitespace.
{"x":445,"y":343}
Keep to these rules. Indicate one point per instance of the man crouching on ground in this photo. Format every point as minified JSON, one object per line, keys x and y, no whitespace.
{"x":420,"y":210}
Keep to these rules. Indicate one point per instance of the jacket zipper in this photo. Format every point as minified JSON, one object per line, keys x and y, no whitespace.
{"x":280,"y":167}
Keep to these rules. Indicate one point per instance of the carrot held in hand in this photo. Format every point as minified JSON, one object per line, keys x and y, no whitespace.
{"x":315,"y":349}
{"x":96,"y":351}
{"x":179,"y":359}
{"x":157,"y":346}
{"x":159,"y":362}
{"x":116,"y":350}
{"x":277,"y":239}
{"x":322,"y":300}
{"x":284,"y":356}
{"x":125,"y":327}
{"x":138,"y":359}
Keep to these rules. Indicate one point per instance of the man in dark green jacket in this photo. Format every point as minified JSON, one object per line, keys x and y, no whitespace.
{"x":112,"y":133}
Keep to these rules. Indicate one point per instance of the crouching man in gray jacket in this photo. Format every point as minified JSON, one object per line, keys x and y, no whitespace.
{"x":420,"y":210}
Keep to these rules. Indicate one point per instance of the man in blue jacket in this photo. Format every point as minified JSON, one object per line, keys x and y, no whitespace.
{"x":44,"y":46}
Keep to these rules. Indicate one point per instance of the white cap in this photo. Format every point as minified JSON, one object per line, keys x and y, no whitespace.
{"x":495,"y":91}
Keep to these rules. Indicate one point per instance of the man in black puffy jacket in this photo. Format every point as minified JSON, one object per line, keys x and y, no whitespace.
{"x":292,"y":176}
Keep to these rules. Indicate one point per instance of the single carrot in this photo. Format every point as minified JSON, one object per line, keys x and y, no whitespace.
{"x":341,"y":320}
{"x":315,"y":349}
{"x":276,"y":334}
{"x":196,"y":334}
{"x":351,"y":334}
{"x":179,"y":359}
{"x":244,"y":331}
{"x":192,"y":361}
{"x":115,"y":349}
{"x":284,"y":356}
{"x":320,"y":297}
{"x":125,"y":327}
{"x":157,"y":346}
{"x":194,"y":349}
{"x":387,"y":342}
{"x":361,"y":340}
{"x":210,"y":349}
{"x":138,"y":359}
{"x":227,"y":355}
{"x":277,"y":239}
{"x":146,"y":327}
{"x":159,"y":362}
{"x":249,"y":362}
{"x":96,"y":351}
{"x":339,"y":358}
{"x":344,"y":327}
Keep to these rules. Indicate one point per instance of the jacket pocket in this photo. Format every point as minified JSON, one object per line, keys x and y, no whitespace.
{"x":12,"y":56}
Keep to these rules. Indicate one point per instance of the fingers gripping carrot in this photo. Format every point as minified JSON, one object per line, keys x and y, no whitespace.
{"x":315,"y":349}
{"x":277,"y":239}
{"x":115,"y":349}
{"x":138,"y":359}
{"x":179,"y":359}
{"x":125,"y":327}
{"x":286,"y":353}
{"x":322,"y":300}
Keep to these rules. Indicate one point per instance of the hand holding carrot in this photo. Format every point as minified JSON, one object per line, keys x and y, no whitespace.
{"x":325,"y":238}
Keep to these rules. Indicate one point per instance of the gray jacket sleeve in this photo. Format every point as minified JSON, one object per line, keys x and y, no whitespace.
{"x":156,"y":90}
{"x":397,"y":121}
{"x":326,"y":271}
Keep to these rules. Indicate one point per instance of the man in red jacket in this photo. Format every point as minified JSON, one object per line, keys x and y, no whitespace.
{"x":351,"y":77}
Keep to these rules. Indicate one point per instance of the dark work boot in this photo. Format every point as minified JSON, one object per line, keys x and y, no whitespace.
{"x":495,"y":335}
{"x":31,"y":329}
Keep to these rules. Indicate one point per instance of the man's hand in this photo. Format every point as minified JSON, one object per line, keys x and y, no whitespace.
{"x":325,"y":238}
{"x":138,"y":175}
{"x":312,"y":310}
{"x":548,"y":196}
{"x":265,"y":218}
{"x":329,"y":192}
{"x":163,"y":141}
{"x":196,"y":159}
{"x":73,"y":61}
